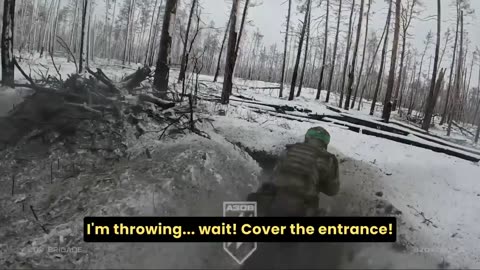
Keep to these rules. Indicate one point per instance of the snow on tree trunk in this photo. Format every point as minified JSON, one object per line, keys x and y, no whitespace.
{"x":8,"y":68}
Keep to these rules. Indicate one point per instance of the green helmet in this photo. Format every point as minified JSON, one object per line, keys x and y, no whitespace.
{"x":318,"y":133}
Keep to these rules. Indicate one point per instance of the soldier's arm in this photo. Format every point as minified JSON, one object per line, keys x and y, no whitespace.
{"x":330,"y":185}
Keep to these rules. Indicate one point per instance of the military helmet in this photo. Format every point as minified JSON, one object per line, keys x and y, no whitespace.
{"x":318,"y":134}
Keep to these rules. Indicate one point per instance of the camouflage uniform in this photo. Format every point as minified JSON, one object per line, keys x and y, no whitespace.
{"x":303,"y":171}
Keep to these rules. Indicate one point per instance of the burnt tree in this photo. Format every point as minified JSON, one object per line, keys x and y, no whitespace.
{"x":387,"y":108}
{"x":230,"y":58}
{"x":452,"y":70}
{"x":183,"y":66}
{"x":285,"y":48}
{"x":431,"y":99}
{"x":82,"y":39}
{"x":347,"y":54}
{"x":325,"y":45}
{"x":334,"y":57}
{"x":299,"y":53}
{"x":382,"y":61}
{"x":302,"y":76}
{"x":162,"y":70}
{"x":365,"y":43}
{"x":351,"y":75}
{"x":407,"y":17}
{"x":458,"y":80}
{"x":8,"y":68}
{"x":217,"y":70}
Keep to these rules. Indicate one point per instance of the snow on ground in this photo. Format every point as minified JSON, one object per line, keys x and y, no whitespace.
{"x":435,"y":196}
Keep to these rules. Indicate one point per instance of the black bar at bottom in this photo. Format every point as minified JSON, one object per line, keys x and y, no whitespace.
{"x":240,"y":229}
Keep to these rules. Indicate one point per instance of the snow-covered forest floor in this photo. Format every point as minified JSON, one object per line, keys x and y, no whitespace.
{"x":435,"y":196}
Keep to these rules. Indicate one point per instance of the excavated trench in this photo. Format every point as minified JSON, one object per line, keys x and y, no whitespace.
{"x":337,"y":255}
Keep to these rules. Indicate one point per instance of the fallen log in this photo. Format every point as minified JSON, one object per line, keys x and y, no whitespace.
{"x":99,"y":75}
{"x":371,"y":129}
{"x":135,"y":79}
{"x":278,"y":108}
{"x":434,"y":138}
{"x":265,"y":88}
{"x":370,"y":124}
{"x":155,"y":100}
{"x":463,"y":130}
{"x":419,"y":144}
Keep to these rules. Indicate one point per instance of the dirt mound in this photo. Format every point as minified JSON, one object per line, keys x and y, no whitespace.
{"x":191,"y":176}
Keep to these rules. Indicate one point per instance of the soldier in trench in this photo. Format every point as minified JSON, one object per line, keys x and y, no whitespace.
{"x":303,"y":171}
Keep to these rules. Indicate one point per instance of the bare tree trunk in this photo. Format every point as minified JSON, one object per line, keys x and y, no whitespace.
{"x":372,"y":65}
{"x":351,"y":76}
{"x":127,"y":33}
{"x":299,"y":53}
{"x":407,"y":20}
{"x":242,"y":25}
{"x":282,"y":81}
{"x":183,"y":65}
{"x":387,"y":104}
{"x":477,"y":135}
{"x":82,"y":43}
{"x":404,"y":85}
{"x":431,"y":99}
{"x":150,"y":32}
{"x":74,"y":26}
{"x":33,"y":18}
{"x":452,"y":70}
{"x":46,"y":28}
{"x":8,"y":28}
{"x":162,"y":70}
{"x":457,"y":80}
{"x":325,"y":45}
{"x":154,"y":41}
{"x":382,"y":61}
{"x":306,"y":55}
{"x":230,"y":58}
{"x":363,"y":55}
{"x":334,"y":58}
{"x":347,"y":54}
{"x":111,"y":31}
{"x":217,"y":71}
{"x":87,"y":58}
{"x":476,"y":118}
{"x":478,"y":98}
{"x":105,"y":28}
